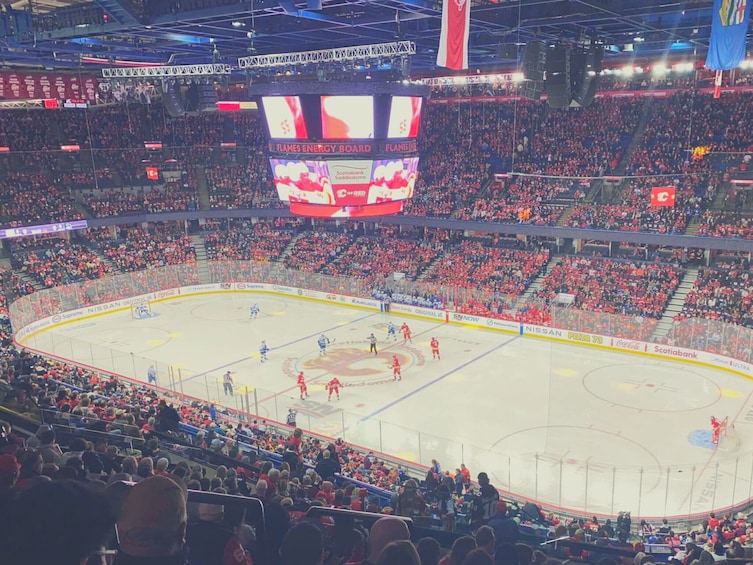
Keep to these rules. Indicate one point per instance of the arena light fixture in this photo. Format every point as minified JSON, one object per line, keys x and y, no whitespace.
{"x":338,"y":55}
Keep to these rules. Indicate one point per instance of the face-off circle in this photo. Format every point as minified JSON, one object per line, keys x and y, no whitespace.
{"x":351,"y":362}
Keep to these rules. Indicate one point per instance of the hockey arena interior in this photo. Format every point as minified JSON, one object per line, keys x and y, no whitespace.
{"x":382,"y":283}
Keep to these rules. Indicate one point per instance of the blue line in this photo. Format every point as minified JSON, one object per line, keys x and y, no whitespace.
{"x":242,"y":359}
{"x":430,"y":383}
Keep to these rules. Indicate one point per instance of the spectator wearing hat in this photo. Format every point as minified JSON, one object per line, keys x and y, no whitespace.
{"x":152,"y":523}
{"x":505,"y":528}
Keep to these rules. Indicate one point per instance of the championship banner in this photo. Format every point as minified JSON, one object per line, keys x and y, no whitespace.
{"x":453,"y":40}
{"x":663,"y":196}
{"x":59,"y":86}
{"x":729,"y":25}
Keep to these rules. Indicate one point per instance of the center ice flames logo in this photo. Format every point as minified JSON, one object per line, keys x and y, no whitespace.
{"x":353,"y":362}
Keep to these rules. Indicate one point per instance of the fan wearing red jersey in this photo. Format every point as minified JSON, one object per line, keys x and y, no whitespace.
{"x":396,"y":374}
{"x":334,"y":386}
{"x":435,"y":348}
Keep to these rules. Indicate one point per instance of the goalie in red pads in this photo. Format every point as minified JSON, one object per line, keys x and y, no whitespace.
{"x":334,"y":386}
{"x":717,"y":426}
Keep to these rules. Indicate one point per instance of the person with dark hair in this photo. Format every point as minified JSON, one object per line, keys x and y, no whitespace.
{"x":485,"y":539}
{"x":461,"y":547}
{"x":428,"y":550}
{"x":48,"y":449}
{"x":410,"y":502}
{"x":506,"y":554}
{"x":60,"y":522}
{"x":303,"y":544}
{"x":484,"y":502}
{"x":478,"y":557}
{"x":168,"y":419}
{"x":399,"y":553}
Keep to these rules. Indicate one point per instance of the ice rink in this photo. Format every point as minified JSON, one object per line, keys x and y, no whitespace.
{"x":568,"y":426}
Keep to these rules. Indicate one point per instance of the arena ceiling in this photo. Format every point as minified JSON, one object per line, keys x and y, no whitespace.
{"x":80,"y":34}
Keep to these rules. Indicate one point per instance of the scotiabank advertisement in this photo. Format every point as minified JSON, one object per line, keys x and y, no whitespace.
{"x":351,"y":182}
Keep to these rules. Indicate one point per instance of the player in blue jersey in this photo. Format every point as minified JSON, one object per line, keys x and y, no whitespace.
{"x":254,"y":311}
{"x":391,"y":331}
{"x":263,"y":350}
{"x":323,"y":342}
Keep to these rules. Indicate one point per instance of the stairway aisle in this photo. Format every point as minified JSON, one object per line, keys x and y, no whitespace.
{"x":675,"y":305}
{"x":202,"y":188}
{"x":535,"y":285}
{"x":202,"y":265}
{"x":646,"y":115}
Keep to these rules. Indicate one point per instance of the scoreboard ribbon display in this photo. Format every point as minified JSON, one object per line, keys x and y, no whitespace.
{"x":343,"y":182}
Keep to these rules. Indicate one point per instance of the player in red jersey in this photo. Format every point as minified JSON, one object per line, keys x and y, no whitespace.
{"x":405,"y":330}
{"x":435,"y":348}
{"x":396,"y":374}
{"x":334,"y":386}
{"x":302,"y":385}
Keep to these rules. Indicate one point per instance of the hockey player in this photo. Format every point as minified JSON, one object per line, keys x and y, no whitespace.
{"x":254,"y":311}
{"x":263,"y":350}
{"x":142,"y":311}
{"x":391,"y":331}
{"x":334,"y":386}
{"x":323,"y":342}
{"x":227,"y":384}
{"x":405,"y":330}
{"x":302,"y":386}
{"x":372,"y":344}
{"x":151,"y":375}
{"x":396,"y":374}
{"x":434,"y":348}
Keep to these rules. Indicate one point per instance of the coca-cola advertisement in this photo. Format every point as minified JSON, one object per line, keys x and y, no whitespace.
{"x":29,"y":86}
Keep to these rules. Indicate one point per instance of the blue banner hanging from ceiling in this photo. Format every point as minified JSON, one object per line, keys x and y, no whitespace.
{"x":728,"y":29}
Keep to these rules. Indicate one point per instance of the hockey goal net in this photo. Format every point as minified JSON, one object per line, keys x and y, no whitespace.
{"x":141,"y":310}
{"x":728,"y":439}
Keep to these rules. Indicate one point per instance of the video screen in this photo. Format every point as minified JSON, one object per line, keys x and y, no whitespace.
{"x":319,"y":211}
{"x":405,"y":117}
{"x":302,"y":181}
{"x":347,"y":117}
{"x":393,"y":179}
{"x":284,"y":116}
{"x":345,"y":182}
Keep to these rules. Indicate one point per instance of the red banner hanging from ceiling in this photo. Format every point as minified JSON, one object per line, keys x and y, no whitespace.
{"x":26,"y":86}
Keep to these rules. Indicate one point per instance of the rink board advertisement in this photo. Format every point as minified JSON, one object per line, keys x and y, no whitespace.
{"x":664,"y":351}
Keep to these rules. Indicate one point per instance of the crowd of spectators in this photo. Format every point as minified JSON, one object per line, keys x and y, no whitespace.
{"x":612,"y":286}
{"x":730,"y":224}
{"x":59,"y":262}
{"x":138,"y":248}
{"x":263,"y":242}
{"x":724,"y":294}
{"x":170,"y":197}
{"x":374,"y":260}
{"x":313,"y":250}
{"x":475,"y":265}
{"x":586,"y":141}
